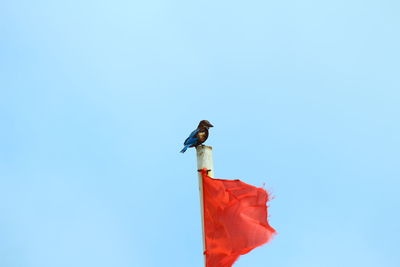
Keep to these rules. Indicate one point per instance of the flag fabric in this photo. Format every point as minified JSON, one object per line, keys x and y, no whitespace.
{"x":235,"y":219}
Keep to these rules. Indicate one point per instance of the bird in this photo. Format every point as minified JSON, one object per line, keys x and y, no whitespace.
{"x":198,"y":136}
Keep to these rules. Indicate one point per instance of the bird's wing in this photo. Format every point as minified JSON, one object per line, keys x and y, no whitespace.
{"x":192,"y":138}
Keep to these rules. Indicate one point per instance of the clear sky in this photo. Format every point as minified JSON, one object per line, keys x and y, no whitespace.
{"x":97,"y":97}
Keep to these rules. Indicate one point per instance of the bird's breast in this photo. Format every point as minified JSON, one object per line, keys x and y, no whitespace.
{"x":202,"y":136}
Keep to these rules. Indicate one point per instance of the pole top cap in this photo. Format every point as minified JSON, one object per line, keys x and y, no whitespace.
{"x":203,"y":147}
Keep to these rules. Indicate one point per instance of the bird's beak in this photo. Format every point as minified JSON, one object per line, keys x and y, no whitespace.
{"x":210,"y":125}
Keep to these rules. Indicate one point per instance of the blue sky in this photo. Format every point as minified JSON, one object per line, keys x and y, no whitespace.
{"x":96,"y":98}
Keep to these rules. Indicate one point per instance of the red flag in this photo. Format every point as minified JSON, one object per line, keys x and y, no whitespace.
{"x":235,"y":219}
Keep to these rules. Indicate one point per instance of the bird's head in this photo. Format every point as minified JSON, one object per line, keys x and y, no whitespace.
{"x":205,"y":124}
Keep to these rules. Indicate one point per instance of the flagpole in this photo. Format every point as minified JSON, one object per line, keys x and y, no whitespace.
{"x":204,"y":160}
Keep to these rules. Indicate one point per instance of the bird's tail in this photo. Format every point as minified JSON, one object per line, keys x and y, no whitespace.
{"x":184,"y":149}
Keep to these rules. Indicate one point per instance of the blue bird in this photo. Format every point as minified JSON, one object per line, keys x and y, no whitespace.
{"x":198,"y":136}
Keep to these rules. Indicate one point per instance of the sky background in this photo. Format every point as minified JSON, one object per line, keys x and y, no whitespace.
{"x":97,"y":97}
